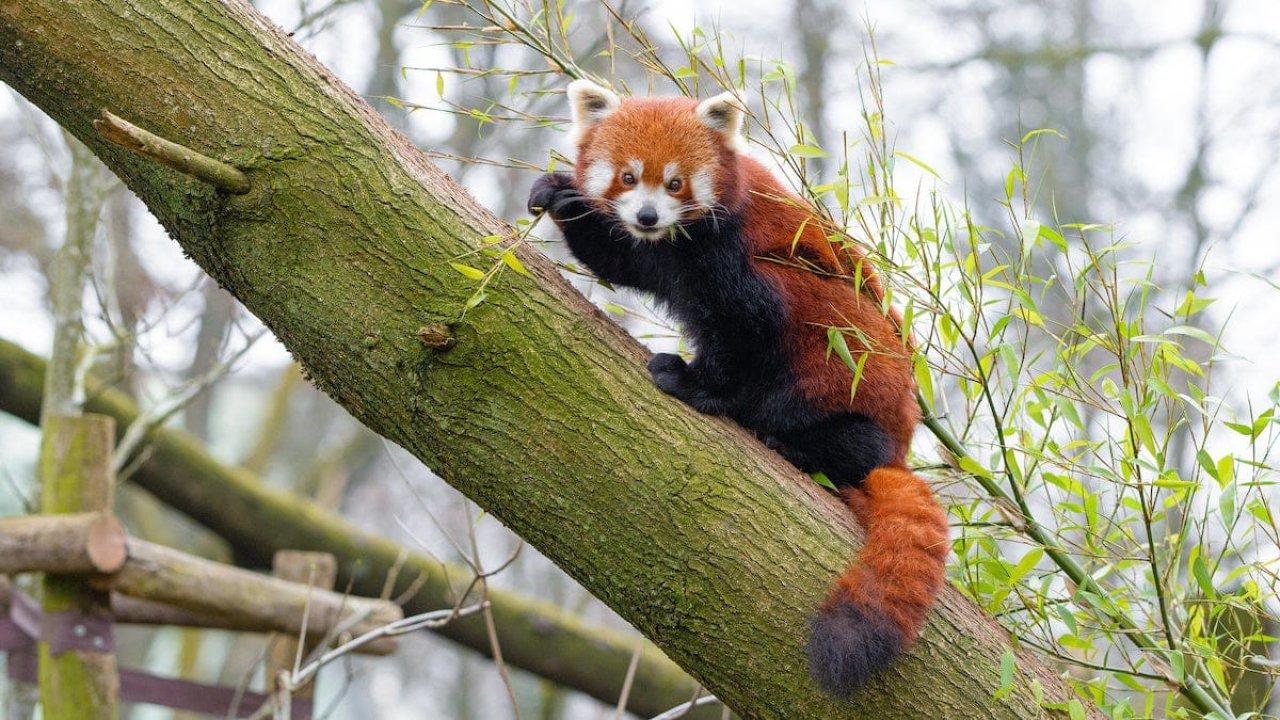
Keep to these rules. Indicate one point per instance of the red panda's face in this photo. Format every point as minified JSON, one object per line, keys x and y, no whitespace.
{"x":654,"y":162}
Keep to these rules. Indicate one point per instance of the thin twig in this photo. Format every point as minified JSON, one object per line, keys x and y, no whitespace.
{"x":683,"y":709}
{"x":171,"y":154}
{"x":413,"y":623}
{"x":145,"y":424}
{"x":627,"y":681}
{"x":495,"y":647}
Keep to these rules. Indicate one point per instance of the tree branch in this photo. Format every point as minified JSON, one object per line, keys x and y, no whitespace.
{"x":258,"y":521}
{"x":180,"y":158}
{"x":542,"y":413}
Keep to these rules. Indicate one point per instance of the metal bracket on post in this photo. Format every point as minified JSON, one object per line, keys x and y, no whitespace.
{"x":66,"y":631}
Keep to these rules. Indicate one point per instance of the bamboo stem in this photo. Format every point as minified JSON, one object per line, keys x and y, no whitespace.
{"x":1188,"y":686}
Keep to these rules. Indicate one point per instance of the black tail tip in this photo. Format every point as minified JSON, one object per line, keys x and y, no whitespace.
{"x":848,"y":644}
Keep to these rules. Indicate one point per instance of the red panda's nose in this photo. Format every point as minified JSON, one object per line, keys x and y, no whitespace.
{"x":647,"y":216}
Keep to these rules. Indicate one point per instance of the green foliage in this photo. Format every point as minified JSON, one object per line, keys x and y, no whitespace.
{"x":1109,"y":502}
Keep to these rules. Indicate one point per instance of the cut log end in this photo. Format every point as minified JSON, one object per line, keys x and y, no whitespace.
{"x":107,"y":544}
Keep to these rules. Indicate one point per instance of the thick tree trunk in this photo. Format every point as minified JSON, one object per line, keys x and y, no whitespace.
{"x":542,"y":413}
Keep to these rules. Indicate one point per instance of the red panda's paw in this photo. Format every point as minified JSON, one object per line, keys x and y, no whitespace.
{"x":666,"y":362}
{"x":551,"y":192}
{"x":669,"y":373}
{"x":674,"y":377}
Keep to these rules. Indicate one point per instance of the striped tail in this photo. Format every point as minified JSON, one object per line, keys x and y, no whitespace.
{"x":877,"y":607}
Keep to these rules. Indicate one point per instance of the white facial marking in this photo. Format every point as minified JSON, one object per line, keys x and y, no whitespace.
{"x":637,"y":167}
{"x":598,"y":178}
{"x":645,"y":195}
{"x":669,"y":171}
{"x":704,"y":188}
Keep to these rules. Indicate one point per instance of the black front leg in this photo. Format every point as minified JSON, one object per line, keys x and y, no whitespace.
{"x":593,"y":235}
{"x":678,"y":379}
{"x":798,"y":455}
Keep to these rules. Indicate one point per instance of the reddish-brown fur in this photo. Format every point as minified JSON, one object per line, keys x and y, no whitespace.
{"x":900,"y":568}
{"x":660,"y":130}
{"x":816,"y":302}
{"x":657,"y":131}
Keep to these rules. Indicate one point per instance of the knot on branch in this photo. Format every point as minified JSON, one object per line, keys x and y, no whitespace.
{"x":437,"y":336}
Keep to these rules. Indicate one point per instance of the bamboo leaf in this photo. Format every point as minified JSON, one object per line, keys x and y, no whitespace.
{"x":1007,"y":662}
{"x":510,"y":260}
{"x":468,"y":271}
{"x":836,"y":342}
{"x":917,"y":162}
{"x":807,"y":151}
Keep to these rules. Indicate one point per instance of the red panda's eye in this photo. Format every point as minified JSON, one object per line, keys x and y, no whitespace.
{"x":674,"y":185}
{"x":628,"y":179}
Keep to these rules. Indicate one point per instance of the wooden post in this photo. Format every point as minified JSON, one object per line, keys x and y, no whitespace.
{"x":319,"y":570}
{"x":256,"y":602}
{"x":76,"y":475}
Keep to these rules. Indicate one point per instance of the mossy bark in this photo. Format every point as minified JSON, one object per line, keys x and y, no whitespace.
{"x":542,"y":413}
{"x":75,"y":477}
{"x":257,"y":521}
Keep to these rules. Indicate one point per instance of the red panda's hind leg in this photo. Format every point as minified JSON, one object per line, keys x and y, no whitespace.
{"x":845,"y":447}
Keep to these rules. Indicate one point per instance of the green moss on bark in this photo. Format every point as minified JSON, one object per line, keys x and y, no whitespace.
{"x":75,"y":476}
{"x":256,"y":521}
{"x":542,"y":413}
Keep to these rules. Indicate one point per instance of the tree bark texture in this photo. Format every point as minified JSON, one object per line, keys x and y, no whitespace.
{"x":543,"y":413}
{"x":76,"y":476}
{"x":257,"y":521}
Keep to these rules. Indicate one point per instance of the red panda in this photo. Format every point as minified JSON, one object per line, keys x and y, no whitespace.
{"x":664,"y":199}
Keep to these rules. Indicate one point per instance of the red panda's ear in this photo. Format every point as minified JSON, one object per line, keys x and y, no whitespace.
{"x":589,"y":104}
{"x":724,"y":114}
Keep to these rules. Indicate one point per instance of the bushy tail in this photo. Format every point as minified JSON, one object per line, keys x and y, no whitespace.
{"x":877,"y":607}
